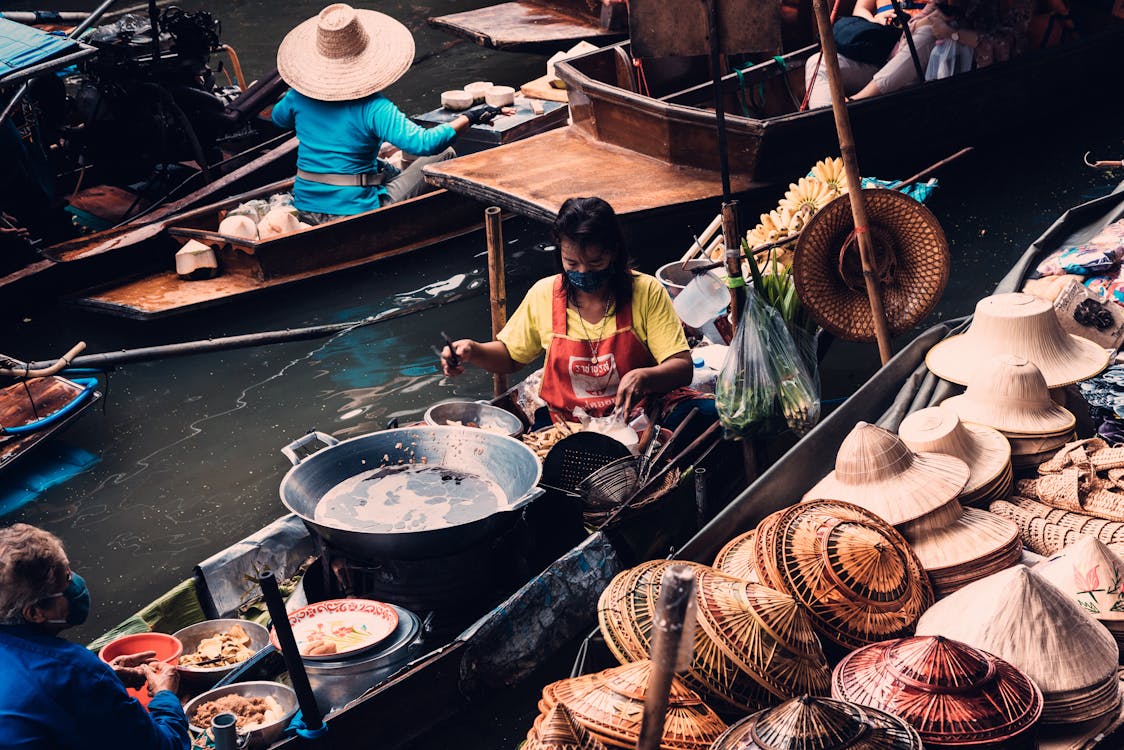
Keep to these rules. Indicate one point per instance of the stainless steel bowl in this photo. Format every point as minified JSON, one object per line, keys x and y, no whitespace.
{"x":265,"y":735}
{"x":191,"y":636}
{"x":484,"y":415}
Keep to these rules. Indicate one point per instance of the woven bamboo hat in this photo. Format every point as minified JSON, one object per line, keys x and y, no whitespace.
{"x":876,"y":470}
{"x":1008,"y":393}
{"x":736,"y":558}
{"x":810,"y":723}
{"x":1019,"y":324}
{"x":344,"y":53}
{"x":1020,"y":617}
{"x":939,"y":430}
{"x":954,"y":695}
{"x":559,"y":731}
{"x":855,"y":574}
{"x":910,"y":257}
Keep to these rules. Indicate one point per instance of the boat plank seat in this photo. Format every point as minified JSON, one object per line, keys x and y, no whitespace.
{"x":527,"y":25}
{"x":534,"y":176}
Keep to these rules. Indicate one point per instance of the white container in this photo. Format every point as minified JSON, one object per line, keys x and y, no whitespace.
{"x":702,"y":300}
{"x":456,"y":100}
{"x":499,"y":96}
{"x":478,"y":89}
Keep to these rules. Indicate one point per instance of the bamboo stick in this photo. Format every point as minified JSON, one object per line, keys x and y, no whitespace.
{"x":734,"y":278}
{"x":702,"y":240}
{"x":830,"y":59}
{"x":672,"y":644}
{"x":497,"y":282}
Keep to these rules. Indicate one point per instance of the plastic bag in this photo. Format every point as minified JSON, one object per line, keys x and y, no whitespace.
{"x":806,"y":345}
{"x":947,"y":59}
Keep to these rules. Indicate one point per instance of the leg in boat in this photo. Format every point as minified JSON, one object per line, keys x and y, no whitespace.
{"x":855,"y":75}
{"x":411,"y":182}
{"x":899,"y":71}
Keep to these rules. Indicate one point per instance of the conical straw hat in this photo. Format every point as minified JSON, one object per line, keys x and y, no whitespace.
{"x":1020,"y":617}
{"x":343,"y":54}
{"x":559,"y":731}
{"x":876,"y":470}
{"x":939,"y":430}
{"x":810,"y":723}
{"x":1090,"y":573}
{"x":954,"y":695}
{"x":1008,"y":393}
{"x":736,"y":558}
{"x":959,"y":545}
{"x":1019,"y":324}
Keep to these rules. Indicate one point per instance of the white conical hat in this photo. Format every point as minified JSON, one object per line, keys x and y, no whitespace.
{"x":1090,"y":573}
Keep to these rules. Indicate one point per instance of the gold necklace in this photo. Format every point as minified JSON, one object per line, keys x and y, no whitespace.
{"x":593,"y":344}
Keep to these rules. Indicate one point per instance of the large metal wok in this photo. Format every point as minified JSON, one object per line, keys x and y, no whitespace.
{"x":501,"y":459}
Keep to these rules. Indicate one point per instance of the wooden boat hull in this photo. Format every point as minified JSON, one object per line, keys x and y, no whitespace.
{"x":530,"y":26}
{"x":23,"y":403}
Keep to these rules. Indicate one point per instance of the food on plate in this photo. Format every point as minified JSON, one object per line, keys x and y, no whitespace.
{"x":541,"y":441}
{"x":220,"y":650}
{"x":251,"y":713}
{"x":320,"y":642}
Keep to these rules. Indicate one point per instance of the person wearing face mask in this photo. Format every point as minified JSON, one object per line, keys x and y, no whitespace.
{"x":57,"y":694}
{"x":610,"y":334}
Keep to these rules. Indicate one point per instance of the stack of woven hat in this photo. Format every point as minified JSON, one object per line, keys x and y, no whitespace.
{"x":954,"y":695}
{"x":856,"y":576}
{"x":609,"y":705}
{"x":810,"y":723}
{"x":1019,"y":616}
{"x":1093,"y":576}
{"x":984,"y":449}
{"x":917,"y":493}
{"x":753,"y":646}
{"x":559,"y":731}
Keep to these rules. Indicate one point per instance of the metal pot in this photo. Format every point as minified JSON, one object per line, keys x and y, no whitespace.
{"x":500,"y":459}
{"x":263,"y":736}
{"x":484,"y":415}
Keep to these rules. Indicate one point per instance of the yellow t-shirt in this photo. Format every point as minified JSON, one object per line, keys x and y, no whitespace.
{"x":528,"y":332}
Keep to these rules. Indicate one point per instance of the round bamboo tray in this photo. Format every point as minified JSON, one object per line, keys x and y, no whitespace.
{"x":736,"y":558}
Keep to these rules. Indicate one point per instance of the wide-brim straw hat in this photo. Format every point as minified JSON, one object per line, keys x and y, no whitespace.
{"x":939,"y":430}
{"x":954,"y":695}
{"x":1020,"y":617}
{"x":345,"y":53}
{"x":911,"y":262}
{"x":876,"y":470}
{"x":1008,"y":393}
{"x":1019,"y":324}
{"x":811,"y":723}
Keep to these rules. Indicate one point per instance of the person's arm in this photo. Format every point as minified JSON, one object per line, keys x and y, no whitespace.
{"x":865,"y":9}
{"x":491,"y":356}
{"x":106,"y":712}
{"x":282,"y":114}
{"x":674,"y":372}
{"x":662,"y":332}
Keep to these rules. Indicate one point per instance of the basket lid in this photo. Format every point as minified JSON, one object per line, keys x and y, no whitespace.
{"x":950,"y":692}
{"x":811,"y":723}
{"x":1090,"y":573}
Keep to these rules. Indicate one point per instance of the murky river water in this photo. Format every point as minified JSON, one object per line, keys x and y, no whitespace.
{"x":184,"y":456}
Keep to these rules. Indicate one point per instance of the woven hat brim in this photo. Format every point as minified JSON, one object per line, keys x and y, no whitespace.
{"x":958,"y":358}
{"x":975,"y":535}
{"x":929,"y":483}
{"x":990,"y":458}
{"x":388,"y":55}
{"x":1050,"y":420}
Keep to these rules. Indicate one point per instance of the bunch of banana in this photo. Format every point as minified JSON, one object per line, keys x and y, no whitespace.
{"x":830,"y":172}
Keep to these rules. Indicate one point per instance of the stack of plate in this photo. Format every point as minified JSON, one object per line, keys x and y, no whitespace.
{"x":559,"y":731}
{"x":1009,"y":393}
{"x":1091,"y":574}
{"x":808,"y":723}
{"x":918,"y":493}
{"x":610,"y":706}
{"x":1020,"y":617}
{"x":985,"y":449}
{"x":954,"y":695}
{"x":753,"y":646}
{"x":736,"y":558}
{"x":857,"y":577}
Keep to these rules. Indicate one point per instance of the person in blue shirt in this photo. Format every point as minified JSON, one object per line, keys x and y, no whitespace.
{"x":57,"y":695}
{"x":336,"y":63}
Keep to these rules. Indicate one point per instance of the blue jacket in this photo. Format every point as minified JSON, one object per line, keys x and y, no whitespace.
{"x":55,"y":694}
{"x":345,"y":138}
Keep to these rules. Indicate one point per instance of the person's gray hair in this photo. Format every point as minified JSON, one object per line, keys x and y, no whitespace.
{"x":33,"y":566}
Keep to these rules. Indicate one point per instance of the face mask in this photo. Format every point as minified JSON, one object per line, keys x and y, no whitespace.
{"x":78,"y":602}
{"x":589,"y":281}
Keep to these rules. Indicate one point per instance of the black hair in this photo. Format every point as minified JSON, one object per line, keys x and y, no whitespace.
{"x":592,"y":221}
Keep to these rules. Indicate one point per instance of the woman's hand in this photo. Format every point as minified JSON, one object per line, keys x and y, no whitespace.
{"x":129,"y":668}
{"x":453,"y":362}
{"x":634,"y":386}
{"x":161,"y":676}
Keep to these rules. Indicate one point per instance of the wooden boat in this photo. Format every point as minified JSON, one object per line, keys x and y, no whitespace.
{"x":52,"y":402}
{"x":535,"y":25}
{"x":645,"y":153}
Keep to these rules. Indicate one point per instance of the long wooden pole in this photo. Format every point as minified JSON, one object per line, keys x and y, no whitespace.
{"x":830,"y":59}
{"x":497,"y":282}
{"x":672,"y":646}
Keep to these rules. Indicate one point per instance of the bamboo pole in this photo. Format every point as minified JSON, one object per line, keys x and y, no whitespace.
{"x":672,"y":647}
{"x":829,"y":57}
{"x":734,"y":279}
{"x":497,"y":282}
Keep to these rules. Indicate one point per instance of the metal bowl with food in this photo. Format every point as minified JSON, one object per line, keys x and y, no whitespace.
{"x":474,"y":414}
{"x":214,"y":648}
{"x":247,"y":701}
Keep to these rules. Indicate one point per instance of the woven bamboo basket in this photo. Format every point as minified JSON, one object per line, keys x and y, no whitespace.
{"x":559,"y":731}
{"x":856,"y":575}
{"x":736,"y":558}
{"x":1021,"y":618}
{"x":810,"y":723}
{"x":610,"y":704}
{"x":939,"y":430}
{"x":954,"y":695}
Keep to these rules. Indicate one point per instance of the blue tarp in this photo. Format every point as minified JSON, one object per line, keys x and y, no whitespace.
{"x":23,"y":46}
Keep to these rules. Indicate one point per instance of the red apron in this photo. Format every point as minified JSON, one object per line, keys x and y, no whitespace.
{"x":571,"y":378}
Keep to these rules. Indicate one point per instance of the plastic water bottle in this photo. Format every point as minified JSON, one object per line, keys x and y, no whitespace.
{"x":703,"y":378}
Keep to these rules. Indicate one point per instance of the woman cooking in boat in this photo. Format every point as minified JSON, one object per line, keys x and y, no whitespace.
{"x":611,"y":336}
{"x":337,"y":63}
